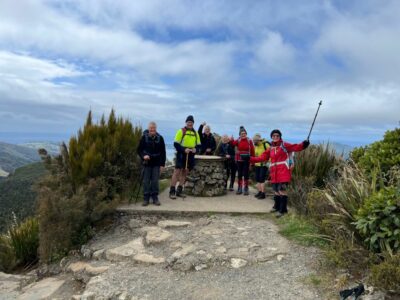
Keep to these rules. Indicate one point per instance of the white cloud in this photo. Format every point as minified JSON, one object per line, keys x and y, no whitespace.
{"x":274,"y":56}
{"x":215,"y":59}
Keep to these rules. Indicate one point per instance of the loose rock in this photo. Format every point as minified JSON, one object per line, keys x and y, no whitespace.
{"x":237,"y":263}
{"x":172,"y":223}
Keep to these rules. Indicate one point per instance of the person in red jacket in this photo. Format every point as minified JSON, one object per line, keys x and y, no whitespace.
{"x":245,"y":149}
{"x":280,"y":172}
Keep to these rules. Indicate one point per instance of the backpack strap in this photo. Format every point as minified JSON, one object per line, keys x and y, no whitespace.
{"x":184,"y":130}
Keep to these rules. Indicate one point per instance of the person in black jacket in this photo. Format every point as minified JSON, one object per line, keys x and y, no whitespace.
{"x":151,"y":150}
{"x":208,"y":144}
{"x":228,"y":151}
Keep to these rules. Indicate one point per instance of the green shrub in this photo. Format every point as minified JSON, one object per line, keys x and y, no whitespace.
{"x":345,"y":195}
{"x":7,"y":254}
{"x":378,"y":220}
{"x":383,"y":154}
{"x":19,"y":246}
{"x":298,"y":192}
{"x":312,"y":168}
{"x":386,"y":275}
{"x":24,"y":239}
{"x":318,"y":161}
{"x":348,"y":254}
{"x":85,"y":183}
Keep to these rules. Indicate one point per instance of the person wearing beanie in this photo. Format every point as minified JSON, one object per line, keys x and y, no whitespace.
{"x":280,"y":173}
{"x":245,"y":149}
{"x":208,"y":144}
{"x":187,"y":143}
{"x":261,"y":169}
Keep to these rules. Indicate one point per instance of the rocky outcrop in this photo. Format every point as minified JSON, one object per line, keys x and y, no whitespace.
{"x":208,"y":177}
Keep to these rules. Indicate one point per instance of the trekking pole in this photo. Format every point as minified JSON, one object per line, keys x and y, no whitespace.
{"x":134,"y":187}
{"x":140,"y":182}
{"x":312,"y":125}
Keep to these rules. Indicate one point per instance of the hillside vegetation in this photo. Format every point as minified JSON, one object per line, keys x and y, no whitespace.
{"x":355,"y":204}
{"x":17,"y":194}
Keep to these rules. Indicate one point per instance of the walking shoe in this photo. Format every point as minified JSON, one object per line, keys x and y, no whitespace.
{"x":273,"y":210}
{"x":239,"y":190}
{"x":231,"y":188}
{"x":261,"y":197}
{"x":146,"y":200}
{"x":258,"y":194}
{"x":246,"y":191}
{"x":154,"y":197}
{"x":172,"y":194}
{"x":279,"y":215}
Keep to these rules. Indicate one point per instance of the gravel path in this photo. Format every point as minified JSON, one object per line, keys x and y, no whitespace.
{"x":201,"y":257}
{"x":217,"y":257}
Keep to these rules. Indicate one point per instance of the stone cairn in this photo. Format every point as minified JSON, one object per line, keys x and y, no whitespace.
{"x":208,"y":177}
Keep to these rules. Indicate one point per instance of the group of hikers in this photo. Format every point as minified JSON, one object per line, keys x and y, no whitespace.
{"x":270,"y":159}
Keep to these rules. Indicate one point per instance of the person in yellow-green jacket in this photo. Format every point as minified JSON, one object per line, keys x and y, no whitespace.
{"x":261,"y":169}
{"x":187,"y":143}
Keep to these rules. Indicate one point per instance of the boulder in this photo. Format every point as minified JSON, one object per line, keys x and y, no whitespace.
{"x":85,"y":267}
{"x":155,"y":234}
{"x":148,"y":259}
{"x":43,"y":289}
{"x":126,"y":252}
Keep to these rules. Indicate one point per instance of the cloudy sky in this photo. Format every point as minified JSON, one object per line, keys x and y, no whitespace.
{"x":263,"y":64}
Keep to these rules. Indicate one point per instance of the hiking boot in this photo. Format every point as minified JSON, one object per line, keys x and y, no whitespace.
{"x":261,"y":197}
{"x":246,"y":191}
{"x":179,"y":192}
{"x":239,"y":191}
{"x":257,"y":195}
{"x":172,"y":193}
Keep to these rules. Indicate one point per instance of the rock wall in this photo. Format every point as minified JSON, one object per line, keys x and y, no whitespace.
{"x":208,"y":177}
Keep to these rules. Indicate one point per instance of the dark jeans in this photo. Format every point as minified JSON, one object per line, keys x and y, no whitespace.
{"x":151,"y":176}
{"x":243,"y":170}
{"x":230,"y":167}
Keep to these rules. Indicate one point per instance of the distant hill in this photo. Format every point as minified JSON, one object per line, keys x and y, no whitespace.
{"x":52,"y":148}
{"x":16,"y":194}
{"x":15,"y":156}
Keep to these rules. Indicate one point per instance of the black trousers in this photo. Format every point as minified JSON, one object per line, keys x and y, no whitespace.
{"x":230,"y":167}
{"x":151,"y":176}
{"x":243,"y":170}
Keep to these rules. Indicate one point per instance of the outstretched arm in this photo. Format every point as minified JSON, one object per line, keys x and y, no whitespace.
{"x":296,"y":147}
{"x":262,"y":158}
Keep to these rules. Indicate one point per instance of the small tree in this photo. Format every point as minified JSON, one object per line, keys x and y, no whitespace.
{"x":86,"y":182}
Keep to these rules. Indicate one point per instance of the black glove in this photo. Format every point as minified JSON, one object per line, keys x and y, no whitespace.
{"x":306,"y":143}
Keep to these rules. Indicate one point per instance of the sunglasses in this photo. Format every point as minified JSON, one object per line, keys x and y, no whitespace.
{"x":275,"y":135}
